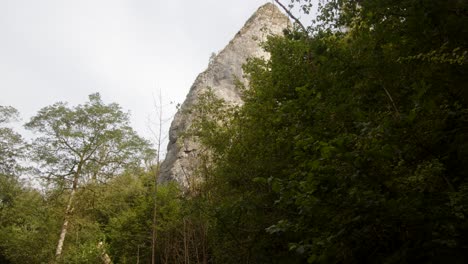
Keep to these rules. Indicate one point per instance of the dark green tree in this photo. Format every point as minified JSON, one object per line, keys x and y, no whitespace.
{"x":351,"y":145}
{"x":28,"y":224}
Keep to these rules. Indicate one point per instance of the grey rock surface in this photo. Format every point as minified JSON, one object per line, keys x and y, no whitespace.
{"x":220,"y":76}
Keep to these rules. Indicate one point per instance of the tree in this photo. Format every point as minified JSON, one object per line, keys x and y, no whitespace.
{"x":28,"y":222}
{"x":158,"y":137}
{"x":23,"y":214}
{"x":88,"y":143}
{"x":351,"y":144}
{"x":12,"y":145}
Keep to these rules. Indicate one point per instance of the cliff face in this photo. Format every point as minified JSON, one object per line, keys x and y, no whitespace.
{"x":220,"y":76}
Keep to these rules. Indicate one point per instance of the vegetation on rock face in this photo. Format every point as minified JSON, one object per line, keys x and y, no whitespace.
{"x":351,"y":147}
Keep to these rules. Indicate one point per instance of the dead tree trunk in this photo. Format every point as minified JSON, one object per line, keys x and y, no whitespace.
{"x":156,"y":176}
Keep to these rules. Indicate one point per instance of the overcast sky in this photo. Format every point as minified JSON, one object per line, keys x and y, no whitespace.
{"x":127,"y":50}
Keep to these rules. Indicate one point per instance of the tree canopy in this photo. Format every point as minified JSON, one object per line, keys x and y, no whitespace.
{"x":93,"y":140}
{"x":85,"y":144}
{"x":12,"y":145}
{"x":351,"y":145}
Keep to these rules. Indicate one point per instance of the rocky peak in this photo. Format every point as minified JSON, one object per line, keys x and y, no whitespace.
{"x":220,"y":76}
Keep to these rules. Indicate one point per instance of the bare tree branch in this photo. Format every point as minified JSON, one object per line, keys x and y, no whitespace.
{"x":292,"y":16}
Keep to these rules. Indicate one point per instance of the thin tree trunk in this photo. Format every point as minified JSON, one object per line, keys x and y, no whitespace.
{"x":156,"y":176}
{"x":63,"y":232}
{"x":292,"y":16}
{"x":154,"y":235}
{"x":186,"y":255}
{"x":104,"y":256}
{"x":138,"y":254}
{"x":205,"y":259}
{"x":68,"y":212}
{"x":106,"y":259}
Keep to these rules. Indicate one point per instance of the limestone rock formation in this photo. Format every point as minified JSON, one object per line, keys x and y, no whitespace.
{"x":220,"y":76}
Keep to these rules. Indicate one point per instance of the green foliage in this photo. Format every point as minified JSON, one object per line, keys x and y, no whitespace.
{"x":93,"y":140}
{"x":124,"y":210}
{"x":92,"y":150}
{"x":12,"y":146}
{"x":117,"y":214}
{"x":351,"y":145}
{"x":7,"y":114}
{"x":86,"y":252}
{"x":28,"y":224}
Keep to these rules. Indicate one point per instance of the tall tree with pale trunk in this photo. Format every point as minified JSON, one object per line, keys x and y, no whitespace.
{"x":85,"y":144}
